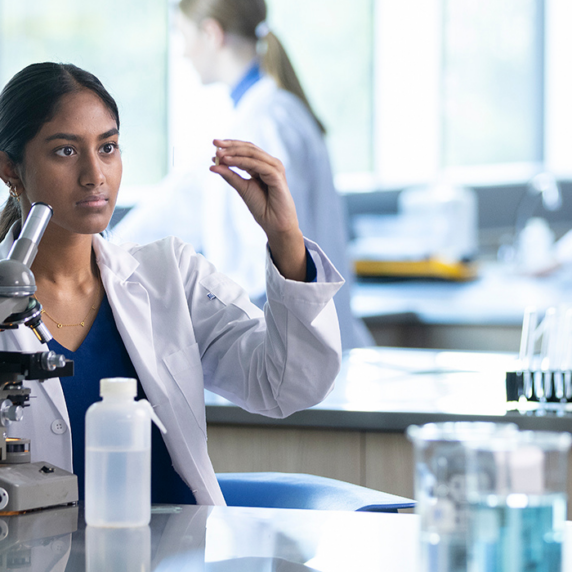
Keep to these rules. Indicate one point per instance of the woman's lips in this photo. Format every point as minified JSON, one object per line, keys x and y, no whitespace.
{"x":93,"y":202}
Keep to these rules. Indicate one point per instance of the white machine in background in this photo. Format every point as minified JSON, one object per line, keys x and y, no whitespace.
{"x":434,"y":235}
{"x":24,"y":485}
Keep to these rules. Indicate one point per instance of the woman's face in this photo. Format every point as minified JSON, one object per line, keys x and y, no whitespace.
{"x":74,"y":165}
{"x":200,"y":47}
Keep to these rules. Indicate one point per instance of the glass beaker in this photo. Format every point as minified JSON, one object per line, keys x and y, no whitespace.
{"x":517,"y":498}
{"x":440,"y":488}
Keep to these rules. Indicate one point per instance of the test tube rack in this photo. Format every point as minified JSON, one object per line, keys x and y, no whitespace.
{"x":544,"y":369}
{"x":539,"y":386}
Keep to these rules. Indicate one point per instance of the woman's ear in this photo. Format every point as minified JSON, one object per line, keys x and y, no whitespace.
{"x":8,"y":172}
{"x":213,"y":32}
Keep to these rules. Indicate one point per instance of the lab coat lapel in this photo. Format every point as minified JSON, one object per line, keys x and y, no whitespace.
{"x":132,"y":312}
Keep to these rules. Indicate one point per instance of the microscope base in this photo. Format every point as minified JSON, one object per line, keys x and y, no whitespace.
{"x":31,"y":486}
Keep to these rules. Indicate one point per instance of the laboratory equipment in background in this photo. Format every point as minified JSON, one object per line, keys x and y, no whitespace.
{"x":118,"y":456}
{"x":516,"y":493}
{"x":25,"y":485}
{"x":532,"y":248}
{"x":434,"y":235}
{"x":441,"y":475}
{"x":535,"y":248}
{"x":544,"y":372}
{"x":545,"y":185}
{"x":490,"y":497}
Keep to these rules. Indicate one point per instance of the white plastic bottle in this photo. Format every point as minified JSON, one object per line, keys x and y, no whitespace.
{"x":118,"y":456}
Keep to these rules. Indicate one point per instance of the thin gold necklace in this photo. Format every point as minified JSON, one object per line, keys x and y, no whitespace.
{"x":82,"y":323}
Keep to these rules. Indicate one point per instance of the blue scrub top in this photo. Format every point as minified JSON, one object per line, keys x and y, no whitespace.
{"x":103,"y":354}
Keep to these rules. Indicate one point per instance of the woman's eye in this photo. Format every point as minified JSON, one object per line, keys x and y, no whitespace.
{"x":109,"y":148}
{"x":65,"y":152}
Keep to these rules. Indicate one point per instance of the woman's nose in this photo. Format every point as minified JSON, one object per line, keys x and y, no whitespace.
{"x":91,"y":174}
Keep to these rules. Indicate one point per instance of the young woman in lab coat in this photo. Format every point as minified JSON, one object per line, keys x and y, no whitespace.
{"x":229,"y":41}
{"x":159,"y":312}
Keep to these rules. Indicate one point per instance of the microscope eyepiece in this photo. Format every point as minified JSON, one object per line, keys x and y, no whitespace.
{"x":25,"y":247}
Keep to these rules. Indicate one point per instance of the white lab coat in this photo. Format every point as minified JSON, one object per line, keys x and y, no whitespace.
{"x":278,"y":122}
{"x":187,"y":327}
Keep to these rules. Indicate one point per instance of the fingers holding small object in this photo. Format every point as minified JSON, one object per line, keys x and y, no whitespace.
{"x":247,"y":157}
{"x":231,"y":147}
{"x":263,"y":169}
{"x":221,"y":146}
{"x":216,"y":158}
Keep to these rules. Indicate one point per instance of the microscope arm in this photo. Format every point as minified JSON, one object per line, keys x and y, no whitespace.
{"x":17,"y":283}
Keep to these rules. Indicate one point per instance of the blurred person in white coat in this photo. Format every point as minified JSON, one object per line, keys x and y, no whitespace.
{"x":229,"y":41}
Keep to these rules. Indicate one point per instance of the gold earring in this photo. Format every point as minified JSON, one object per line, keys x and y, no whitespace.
{"x":13,"y":192}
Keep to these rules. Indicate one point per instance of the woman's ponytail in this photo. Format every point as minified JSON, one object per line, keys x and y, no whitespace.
{"x":276,"y":64}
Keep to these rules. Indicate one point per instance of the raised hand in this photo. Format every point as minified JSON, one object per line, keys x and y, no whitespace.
{"x":268,"y":198}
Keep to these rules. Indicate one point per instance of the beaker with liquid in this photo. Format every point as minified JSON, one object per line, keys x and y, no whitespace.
{"x":441,"y":475}
{"x":516,"y":493}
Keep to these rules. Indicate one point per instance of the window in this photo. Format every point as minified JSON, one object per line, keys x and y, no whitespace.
{"x":409,"y":90}
{"x":330,"y":43}
{"x":460,"y":90}
{"x":492,"y":82}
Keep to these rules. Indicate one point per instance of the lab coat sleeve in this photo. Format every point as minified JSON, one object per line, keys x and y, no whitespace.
{"x":274,"y":363}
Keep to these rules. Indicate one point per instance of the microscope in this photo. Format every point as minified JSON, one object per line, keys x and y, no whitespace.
{"x":25,"y":485}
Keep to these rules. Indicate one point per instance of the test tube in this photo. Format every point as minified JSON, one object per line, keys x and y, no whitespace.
{"x":527,"y":342}
{"x":560,"y":351}
{"x":527,"y":338}
{"x":567,"y":358}
{"x":549,"y":351}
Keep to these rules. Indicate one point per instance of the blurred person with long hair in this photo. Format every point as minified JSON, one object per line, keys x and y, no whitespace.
{"x":229,"y":41}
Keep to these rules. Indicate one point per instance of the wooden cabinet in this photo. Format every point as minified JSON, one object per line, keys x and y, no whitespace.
{"x":382,"y":461}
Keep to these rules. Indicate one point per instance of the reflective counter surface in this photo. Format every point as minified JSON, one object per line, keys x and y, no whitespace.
{"x":218,"y":539}
{"x":388,"y":389}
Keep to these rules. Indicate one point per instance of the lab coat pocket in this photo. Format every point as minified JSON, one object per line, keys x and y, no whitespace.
{"x":186,"y":369}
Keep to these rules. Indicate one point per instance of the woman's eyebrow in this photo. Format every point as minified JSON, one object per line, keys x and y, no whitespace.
{"x":72,"y":137}
{"x":67,"y":136}
{"x":109,"y":133}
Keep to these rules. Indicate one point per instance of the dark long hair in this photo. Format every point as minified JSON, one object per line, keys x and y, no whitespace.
{"x":27,"y":102}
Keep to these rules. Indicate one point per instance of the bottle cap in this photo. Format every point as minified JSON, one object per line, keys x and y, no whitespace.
{"x":118,"y":386}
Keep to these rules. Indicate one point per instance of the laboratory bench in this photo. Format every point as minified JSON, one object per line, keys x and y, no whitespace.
{"x":219,"y":539}
{"x":484,"y":314}
{"x":215,"y":539}
{"x":357,"y":434}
